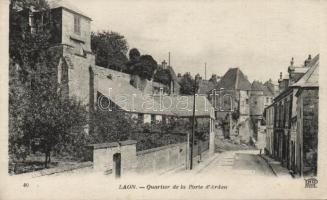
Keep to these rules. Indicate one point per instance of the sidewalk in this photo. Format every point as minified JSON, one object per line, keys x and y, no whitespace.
{"x":276,"y":167}
{"x":65,"y":168}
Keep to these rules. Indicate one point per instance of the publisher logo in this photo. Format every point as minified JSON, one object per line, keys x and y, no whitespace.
{"x":311,"y":183}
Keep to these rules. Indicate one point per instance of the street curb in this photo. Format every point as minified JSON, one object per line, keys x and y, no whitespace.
{"x":213,"y":158}
{"x":272,"y":169}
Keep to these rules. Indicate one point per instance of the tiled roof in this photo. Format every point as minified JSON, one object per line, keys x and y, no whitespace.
{"x":172,"y":73}
{"x":104,"y":72}
{"x":206,"y":86}
{"x":65,"y":4}
{"x":182,"y":106}
{"x":130,"y":99}
{"x":234,"y":79}
{"x":257,"y":86}
{"x":270,"y":86}
{"x":311,"y":77}
{"x":267,"y":91}
{"x":300,"y":69}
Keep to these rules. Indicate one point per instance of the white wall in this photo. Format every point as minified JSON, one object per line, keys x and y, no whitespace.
{"x":147,"y":118}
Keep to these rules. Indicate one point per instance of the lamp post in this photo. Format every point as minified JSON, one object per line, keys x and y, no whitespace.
{"x":193,"y":127}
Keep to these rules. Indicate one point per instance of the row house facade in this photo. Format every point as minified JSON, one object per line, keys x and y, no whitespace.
{"x":292,"y":119}
{"x":269,"y":118}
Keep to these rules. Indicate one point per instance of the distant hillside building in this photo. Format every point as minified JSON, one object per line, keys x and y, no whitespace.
{"x":261,"y":97}
{"x":234,"y":82}
{"x":231,"y":100}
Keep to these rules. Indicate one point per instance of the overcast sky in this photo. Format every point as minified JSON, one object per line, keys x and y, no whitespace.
{"x":260,"y":37}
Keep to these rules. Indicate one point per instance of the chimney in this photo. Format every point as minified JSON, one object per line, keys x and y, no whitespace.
{"x":164,"y":64}
{"x":291,"y":69}
{"x":280,"y":77}
{"x":307,"y":61}
{"x":168,"y":58}
{"x":280,"y":82}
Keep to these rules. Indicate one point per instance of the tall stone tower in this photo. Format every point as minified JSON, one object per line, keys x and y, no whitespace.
{"x":70,"y":56}
{"x":71,"y":50}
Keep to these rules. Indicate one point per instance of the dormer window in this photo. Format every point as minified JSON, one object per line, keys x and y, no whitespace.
{"x":77,"y":24}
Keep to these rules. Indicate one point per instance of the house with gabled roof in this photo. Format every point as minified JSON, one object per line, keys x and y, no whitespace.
{"x":235,"y":81}
{"x":295,"y":127}
{"x":261,"y":97}
{"x":206,"y":86}
{"x":231,"y":100}
{"x":257,"y":99}
{"x":305,"y":143}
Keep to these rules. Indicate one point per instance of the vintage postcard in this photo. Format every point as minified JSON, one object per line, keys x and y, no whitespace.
{"x":149,"y":99}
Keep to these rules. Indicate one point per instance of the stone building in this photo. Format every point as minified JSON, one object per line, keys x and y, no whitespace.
{"x":269,"y":118}
{"x":231,"y":100}
{"x":257,"y":100}
{"x":298,"y":92}
{"x":303,"y":159}
{"x":235,"y":81}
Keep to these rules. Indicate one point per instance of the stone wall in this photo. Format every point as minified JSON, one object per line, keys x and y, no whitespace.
{"x":257,"y":101}
{"x":103,"y":155}
{"x":161,"y":158}
{"x":244,"y":102}
{"x":79,"y":74}
{"x":156,"y":160}
{"x":310,"y":130}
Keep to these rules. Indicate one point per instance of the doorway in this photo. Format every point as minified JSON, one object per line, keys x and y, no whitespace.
{"x":117,"y":165}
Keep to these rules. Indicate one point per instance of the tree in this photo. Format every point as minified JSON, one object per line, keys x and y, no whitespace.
{"x":162,"y":76}
{"x":112,"y":126}
{"x":110,"y":49}
{"x":187,"y":84}
{"x":25,"y":48}
{"x":36,"y":108}
{"x":146,"y":67}
{"x":53,"y":119}
{"x":143,"y":66}
{"x":134,"y":55}
{"x":18,"y":104}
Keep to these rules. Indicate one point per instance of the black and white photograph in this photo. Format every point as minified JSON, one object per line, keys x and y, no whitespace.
{"x":149,"y":99}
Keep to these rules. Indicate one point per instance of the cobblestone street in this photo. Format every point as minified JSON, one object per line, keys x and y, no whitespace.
{"x":244,"y":162}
